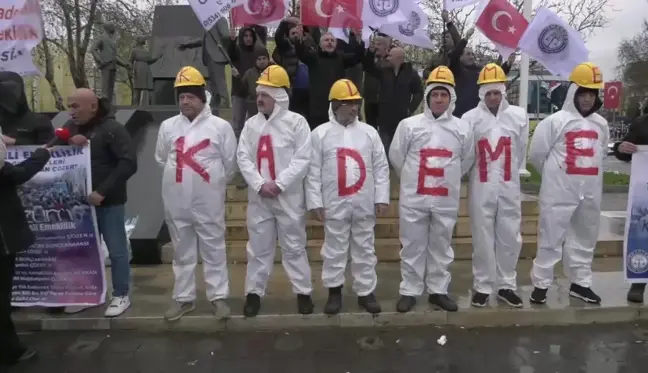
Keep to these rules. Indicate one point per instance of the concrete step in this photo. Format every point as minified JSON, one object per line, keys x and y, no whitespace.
{"x":236,"y":230}
{"x":238,"y":210}
{"x":387,"y":250}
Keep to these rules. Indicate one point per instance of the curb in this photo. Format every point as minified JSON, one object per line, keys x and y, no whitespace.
{"x":489,"y":317}
{"x":535,"y":188}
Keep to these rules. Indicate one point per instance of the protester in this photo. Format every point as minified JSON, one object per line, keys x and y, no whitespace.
{"x":501,"y":134}
{"x":400,"y":94}
{"x":289,"y":32}
{"x":463,"y":66}
{"x":15,"y":236}
{"x":348,"y":196}
{"x":243,"y":51}
{"x":450,"y":38}
{"x":326,"y":65}
{"x":380,"y":45}
{"x":568,"y":148}
{"x":198,"y":153}
{"x":273,"y":156}
{"x":113,"y":162}
{"x":623,"y":150}
{"x":21,"y":126}
{"x":247,"y":84}
{"x":425,"y":146}
{"x":298,"y":74}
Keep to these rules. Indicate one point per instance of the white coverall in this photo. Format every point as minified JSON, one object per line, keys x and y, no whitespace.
{"x":430,"y":156}
{"x":569,"y":150}
{"x":199,"y":159}
{"x":279,"y":149}
{"x":348,"y":176}
{"x":494,"y":191}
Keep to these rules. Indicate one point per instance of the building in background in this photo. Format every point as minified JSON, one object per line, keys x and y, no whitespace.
{"x":546,"y":91}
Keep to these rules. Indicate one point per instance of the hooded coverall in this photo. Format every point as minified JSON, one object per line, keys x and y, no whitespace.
{"x":430,"y":155}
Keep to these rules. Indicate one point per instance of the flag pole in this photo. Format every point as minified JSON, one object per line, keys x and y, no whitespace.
{"x":527,"y":9}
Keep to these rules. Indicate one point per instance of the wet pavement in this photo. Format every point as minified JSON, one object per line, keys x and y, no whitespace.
{"x":589,"y":349}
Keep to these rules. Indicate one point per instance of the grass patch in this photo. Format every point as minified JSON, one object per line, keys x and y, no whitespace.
{"x":609,"y":178}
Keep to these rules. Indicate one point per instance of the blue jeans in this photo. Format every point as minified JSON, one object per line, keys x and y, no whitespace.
{"x":112,"y":227}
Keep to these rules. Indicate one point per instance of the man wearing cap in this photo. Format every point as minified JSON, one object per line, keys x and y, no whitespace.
{"x":198,"y":153}
{"x":430,"y":153}
{"x":568,"y":148}
{"x":501,"y":135}
{"x":273,"y":156}
{"x":346,"y":187}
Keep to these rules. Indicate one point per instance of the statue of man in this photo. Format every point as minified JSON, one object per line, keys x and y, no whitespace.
{"x":104,"y":52}
{"x":141,"y":60}
{"x":215,"y":44}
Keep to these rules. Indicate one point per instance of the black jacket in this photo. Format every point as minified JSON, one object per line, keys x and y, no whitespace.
{"x":399,"y":96}
{"x":15,"y":234}
{"x":637,"y":134}
{"x":16,"y":119}
{"x":243,"y":57}
{"x":112,"y":155}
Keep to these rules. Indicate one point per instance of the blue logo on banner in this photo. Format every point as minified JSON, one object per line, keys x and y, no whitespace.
{"x":412,"y":25}
{"x":383,"y":8}
{"x":637,"y":262}
{"x":553,"y":39}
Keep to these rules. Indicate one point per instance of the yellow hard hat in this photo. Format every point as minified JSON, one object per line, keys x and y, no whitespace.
{"x":274,"y":76}
{"x":491,"y":73}
{"x":442,"y":75}
{"x":587,"y":75}
{"x":344,"y":90}
{"x":189,"y":76}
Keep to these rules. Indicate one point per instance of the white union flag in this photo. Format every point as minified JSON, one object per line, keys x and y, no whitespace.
{"x":412,"y":31}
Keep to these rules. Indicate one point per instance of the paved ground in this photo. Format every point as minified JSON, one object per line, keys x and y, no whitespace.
{"x":588,"y":349}
{"x":612,"y":164}
{"x":614,"y":202}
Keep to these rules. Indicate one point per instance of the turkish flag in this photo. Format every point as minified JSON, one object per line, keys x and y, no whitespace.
{"x":612,"y":95}
{"x":326,"y":13}
{"x":502,"y":23}
{"x":259,"y":12}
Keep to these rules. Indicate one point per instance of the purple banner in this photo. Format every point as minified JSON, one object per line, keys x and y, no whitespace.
{"x":64,"y":266}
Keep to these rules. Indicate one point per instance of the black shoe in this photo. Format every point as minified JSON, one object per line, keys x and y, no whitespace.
{"x":405,"y":303}
{"x":538,"y":296}
{"x":636,"y":293}
{"x":370,"y":304}
{"x":305,"y":304}
{"x":252,"y":305}
{"x":509,"y":297}
{"x":334,"y":303}
{"x":443,"y":301}
{"x":585,"y":294}
{"x":479,"y":299}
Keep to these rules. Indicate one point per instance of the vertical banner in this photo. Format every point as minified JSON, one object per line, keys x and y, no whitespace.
{"x":21,"y":26}
{"x":64,"y":266}
{"x":635,"y":244}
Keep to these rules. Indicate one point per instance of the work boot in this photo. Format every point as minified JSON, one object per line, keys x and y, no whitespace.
{"x":178,"y":309}
{"x":538,"y":296}
{"x":479,"y":299}
{"x":334,"y":302}
{"x":221,"y":309}
{"x":369,"y":303}
{"x":405,"y":304}
{"x":443,"y":301}
{"x":636,"y":293}
{"x":252,"y":305}
{"x":585,"y":294}
{"x":305,"y":304}
{"x":509,"y":297}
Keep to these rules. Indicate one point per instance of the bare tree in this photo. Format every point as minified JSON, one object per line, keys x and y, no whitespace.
{"x":633,"y":68}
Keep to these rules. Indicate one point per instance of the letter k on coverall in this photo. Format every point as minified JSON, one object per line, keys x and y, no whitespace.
{"x":277,"y":149}
{"x":430,"y":155}
{"x":348,"y":176}
{"x":199,"y":159}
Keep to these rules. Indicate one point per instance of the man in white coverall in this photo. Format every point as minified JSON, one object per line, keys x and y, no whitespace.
{"x":346,"y":187}
{"x":430,"y":152}
{"x":501,"y":135}
{"x":273,"y":156}
{"x":198,"y":153}
{"x":568,"y":148}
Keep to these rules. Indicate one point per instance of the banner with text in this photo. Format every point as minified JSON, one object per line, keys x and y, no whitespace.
{"x":64,"y":266}
{"x":635,"y":245}
{"x":21,"y":29}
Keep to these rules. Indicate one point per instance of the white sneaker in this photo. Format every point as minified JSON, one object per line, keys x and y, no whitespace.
{"x":118,"y":305}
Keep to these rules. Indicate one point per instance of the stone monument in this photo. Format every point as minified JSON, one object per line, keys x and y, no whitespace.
{"x":104,"y":52}
{"x":141,"y":60}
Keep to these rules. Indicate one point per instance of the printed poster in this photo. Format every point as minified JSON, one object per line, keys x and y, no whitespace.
{"x":635,"y":245}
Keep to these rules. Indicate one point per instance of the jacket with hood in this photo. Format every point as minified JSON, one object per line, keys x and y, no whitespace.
{"x":247,"y":88}
{"x":16,"y":119}
{"x":244,"y":56}
{"x":637,"y":134}
{"x":400,"y":93}
{"x":112,"y":154}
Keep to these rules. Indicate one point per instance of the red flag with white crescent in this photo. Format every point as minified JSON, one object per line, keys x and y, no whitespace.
{"x":259,"y":12}
{"x":612,"y":95}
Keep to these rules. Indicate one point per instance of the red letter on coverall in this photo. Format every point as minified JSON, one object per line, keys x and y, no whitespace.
{"x":264,"y":151}
{"x":343,"y":189}
{"x":483,"y":148}
{"x":187,"y":158}
{"x":424,"y":171}
{"x":573,"y":152}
